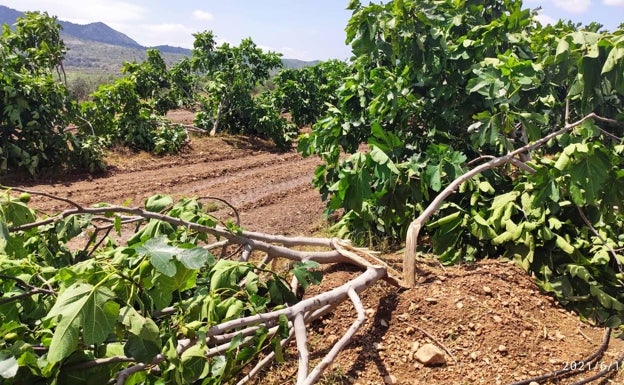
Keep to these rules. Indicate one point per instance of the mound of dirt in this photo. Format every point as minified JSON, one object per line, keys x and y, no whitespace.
{"x":491,"y":322}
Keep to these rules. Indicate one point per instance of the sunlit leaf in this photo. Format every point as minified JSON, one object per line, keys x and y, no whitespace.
{"x":161,"y":255}
{"x":8,"y":366}
{"x":158,"y":203}
{"x":81,"y":306}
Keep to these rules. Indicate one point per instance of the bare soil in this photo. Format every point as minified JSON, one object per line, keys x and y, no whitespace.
{"x":494,"y":322}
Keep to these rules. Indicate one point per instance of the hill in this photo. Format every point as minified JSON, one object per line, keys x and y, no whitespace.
{"x":96,"y":47}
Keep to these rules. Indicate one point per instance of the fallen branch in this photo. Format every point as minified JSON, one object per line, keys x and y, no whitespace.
{"x":218,"y":339}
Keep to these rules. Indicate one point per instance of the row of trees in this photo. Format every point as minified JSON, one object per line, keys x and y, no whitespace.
{"x":440,"y":87}
{"x":216,"y":81}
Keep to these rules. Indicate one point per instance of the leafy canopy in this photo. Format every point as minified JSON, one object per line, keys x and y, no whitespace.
{"x":439,"y":86}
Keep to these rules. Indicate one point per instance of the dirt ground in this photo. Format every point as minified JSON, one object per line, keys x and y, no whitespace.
{"x":494,"y":324}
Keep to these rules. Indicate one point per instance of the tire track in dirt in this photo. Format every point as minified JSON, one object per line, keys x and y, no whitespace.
{"x":272,"y":191}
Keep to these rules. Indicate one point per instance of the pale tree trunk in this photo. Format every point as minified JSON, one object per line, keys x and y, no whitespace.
{"x":215,"y":126}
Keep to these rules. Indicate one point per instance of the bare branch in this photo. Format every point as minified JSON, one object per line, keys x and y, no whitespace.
{"x":51,"y":196}
{"x":409,"y":261}
{"x":302,"y":348}
{"x":342,"y":342}
{"x":32,"y":290}
{"x":99,"y":362}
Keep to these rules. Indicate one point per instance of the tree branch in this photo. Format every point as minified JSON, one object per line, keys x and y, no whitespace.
{"x":32,"y":290}
{"x":409,"y":261}
{"x":218,"y":338}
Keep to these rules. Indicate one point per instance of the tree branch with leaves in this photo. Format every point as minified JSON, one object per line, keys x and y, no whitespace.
{"x":154,"y":303}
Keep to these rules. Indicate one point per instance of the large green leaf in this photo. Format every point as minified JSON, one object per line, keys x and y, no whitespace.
{"x":304,"y":271}
{"x":195,"y":258}
{"x":162,"y":255}
{"x":16,"y":213}
{"x":145,"y":328}
{"x":590,"y":173}
{"x":158,"y":203}
{"x":226,"y":274}
{"x":81,"y":306}
{"x":142,"y":350}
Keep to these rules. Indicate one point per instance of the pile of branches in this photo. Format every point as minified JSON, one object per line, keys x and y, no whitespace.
{"x":264,"y":251}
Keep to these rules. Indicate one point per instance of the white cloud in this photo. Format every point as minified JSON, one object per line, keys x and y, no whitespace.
{"x":617,"y":3}
{"x":177,"y":35}
{"x":111,"y":12}
{"x":288,"y":52}
{"x":574,"y":6}
{"x":545,"y":19}
{"x":202,"y":15}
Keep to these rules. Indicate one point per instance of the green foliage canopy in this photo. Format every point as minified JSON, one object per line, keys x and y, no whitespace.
{"x":438,"y":86}
{"x":36,"y":107}
{"x":230,"y":73}
{"x":306,"y":92}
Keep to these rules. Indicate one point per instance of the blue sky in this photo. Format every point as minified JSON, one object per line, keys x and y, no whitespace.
{"x":299,"y":29}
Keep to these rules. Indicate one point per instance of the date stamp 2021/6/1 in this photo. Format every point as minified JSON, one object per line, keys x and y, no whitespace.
{"x":598,"y":366}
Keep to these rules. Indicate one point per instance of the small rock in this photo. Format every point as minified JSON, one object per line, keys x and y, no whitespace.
{"x":554,"y":361}
{"x":378,"y":346}
{"x":390,"y":380}
{"x":487,"y":290}
{"x":430,"y":355}
{"x":502,"y":348}
{"x":404,"y":317}
{"x":431,"y":300}
{"x":534,"y":383}
{"x":383,"y":323}
{"x":459,"y":305}
{"x":474,"y":356}
{"x":415,"y":346}
{"x":331,"y":339}
{"x":497,"y":319}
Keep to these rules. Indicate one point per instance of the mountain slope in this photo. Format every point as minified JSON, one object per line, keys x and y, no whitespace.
{"x":96,"y":47}
{"x":99,"y":32}
{"x":8,"y":15}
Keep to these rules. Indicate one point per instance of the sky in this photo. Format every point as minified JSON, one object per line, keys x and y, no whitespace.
{"x":299,"y":29}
